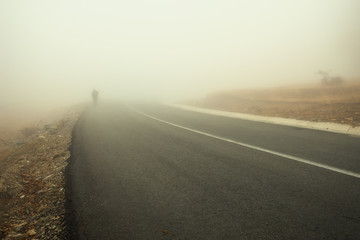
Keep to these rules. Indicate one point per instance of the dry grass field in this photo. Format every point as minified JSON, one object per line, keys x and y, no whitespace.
{"x":339,"y":103}
{"x":18,"y":124}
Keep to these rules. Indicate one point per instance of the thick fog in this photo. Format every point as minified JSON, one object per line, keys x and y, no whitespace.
{"x":54,"y":53}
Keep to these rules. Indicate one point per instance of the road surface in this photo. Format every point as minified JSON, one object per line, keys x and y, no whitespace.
{"x":148,"y":171}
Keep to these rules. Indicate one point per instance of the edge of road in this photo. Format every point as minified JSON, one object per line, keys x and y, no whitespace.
{"x":322,"y":126}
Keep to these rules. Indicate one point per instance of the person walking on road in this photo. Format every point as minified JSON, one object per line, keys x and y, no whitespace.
{"x":95,"y":96}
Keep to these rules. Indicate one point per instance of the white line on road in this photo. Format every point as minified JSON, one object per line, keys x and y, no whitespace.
{"x":302,"y":160}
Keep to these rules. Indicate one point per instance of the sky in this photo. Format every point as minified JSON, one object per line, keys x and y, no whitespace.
{"x":55,"y":52}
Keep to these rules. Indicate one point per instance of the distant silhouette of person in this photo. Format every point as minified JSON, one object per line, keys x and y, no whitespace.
{"x":95,"y":96}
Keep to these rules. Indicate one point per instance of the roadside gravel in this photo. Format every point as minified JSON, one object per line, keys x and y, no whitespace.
{"x":32,"y":184}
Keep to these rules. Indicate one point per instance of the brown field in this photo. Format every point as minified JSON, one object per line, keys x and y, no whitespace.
{"x":339,"y":104}
{"x":18,"y":124}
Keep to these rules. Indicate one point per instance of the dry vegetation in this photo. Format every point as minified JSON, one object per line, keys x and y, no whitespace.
{"x":32,"y":165}
{"x":339,"y":103}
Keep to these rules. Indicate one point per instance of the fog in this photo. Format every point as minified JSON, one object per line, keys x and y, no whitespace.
{"x":54,"y":53}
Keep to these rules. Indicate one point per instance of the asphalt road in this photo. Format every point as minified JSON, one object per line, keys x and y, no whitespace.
{"x":155,"y":172}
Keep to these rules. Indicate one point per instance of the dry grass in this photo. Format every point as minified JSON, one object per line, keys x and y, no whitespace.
{"x":340,"y":104}
{"x":28,"y":131}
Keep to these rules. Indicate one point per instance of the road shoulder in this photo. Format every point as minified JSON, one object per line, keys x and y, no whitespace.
{"x":322,"y":126}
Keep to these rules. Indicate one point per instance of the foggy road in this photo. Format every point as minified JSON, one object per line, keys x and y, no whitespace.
{"x":149,"y":171}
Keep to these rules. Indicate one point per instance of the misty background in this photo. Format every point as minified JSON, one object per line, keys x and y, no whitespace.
{"x":54,"y":53}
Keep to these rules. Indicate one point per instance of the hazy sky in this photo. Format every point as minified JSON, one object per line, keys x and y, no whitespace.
{"x":55,"y":52}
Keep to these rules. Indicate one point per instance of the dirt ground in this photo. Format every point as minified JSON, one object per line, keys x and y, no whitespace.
{"x":319,"y":103}
{"x":32,"y":165}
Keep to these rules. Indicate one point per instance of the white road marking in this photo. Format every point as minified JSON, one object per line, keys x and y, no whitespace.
{"x":302,"y":160}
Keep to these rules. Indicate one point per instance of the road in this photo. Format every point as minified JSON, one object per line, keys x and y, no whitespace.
{"x":149,"y":171}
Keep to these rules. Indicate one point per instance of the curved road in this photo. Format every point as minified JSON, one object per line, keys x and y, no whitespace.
{"x":155,"y":172}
